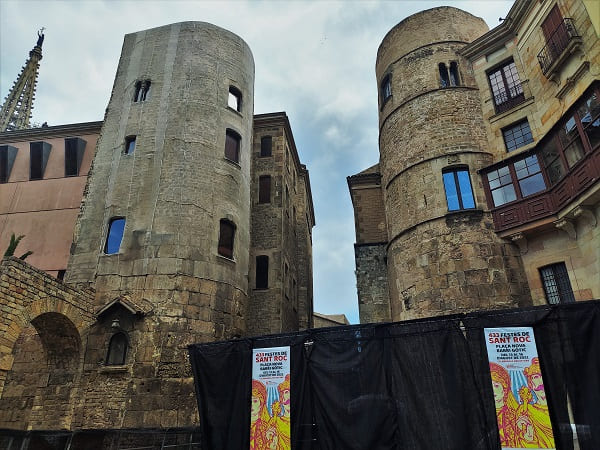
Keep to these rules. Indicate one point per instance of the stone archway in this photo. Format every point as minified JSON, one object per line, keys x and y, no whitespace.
{"x":40,"y":346}
{"x":39,"y":388}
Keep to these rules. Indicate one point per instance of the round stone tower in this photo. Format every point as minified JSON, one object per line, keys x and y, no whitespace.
{"x":173,"y":161}
{"x":443,"y":256}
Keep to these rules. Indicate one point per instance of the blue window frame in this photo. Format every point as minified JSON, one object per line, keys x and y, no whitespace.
{"x":116,"y":227}
{"x":457,"y":185}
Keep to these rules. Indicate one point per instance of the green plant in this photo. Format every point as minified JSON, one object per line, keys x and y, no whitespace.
{"x":14,"y":242}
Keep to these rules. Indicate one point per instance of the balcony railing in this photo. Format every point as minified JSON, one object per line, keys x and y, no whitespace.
{"x":562,"y":39}
{"x":506,"y":100}
{"x":581,"y":177}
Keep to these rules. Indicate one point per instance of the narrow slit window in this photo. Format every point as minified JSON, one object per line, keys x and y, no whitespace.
{"x":266,"y":144}
{"x":386,"y":89}
{"x":264,"y":189}
{"x":444,"y":79}
{"x":262,"y":272}
{"x":129,"y":145}
{"x":454,"y":75}
{"x":38,"y":156}
{"x":226,"y":238}
{"x":142,"y":91}
{"x":4,"y":172}
{"x":116,"y":228}
{"x":232,"y":146}
{"x":234,"y":100}
{"x":117,"y":350}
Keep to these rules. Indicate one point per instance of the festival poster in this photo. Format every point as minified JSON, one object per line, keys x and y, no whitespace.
{"x":519,"y":395}
{"x":270,"y":409}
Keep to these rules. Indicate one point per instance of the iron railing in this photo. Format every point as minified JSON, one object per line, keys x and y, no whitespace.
{"x":557,"y":43}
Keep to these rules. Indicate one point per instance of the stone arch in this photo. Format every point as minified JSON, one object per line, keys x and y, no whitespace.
{"x":46,"y":361}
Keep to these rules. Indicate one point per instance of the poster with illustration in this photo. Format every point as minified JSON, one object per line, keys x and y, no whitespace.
{"x":270,"y":409}
{"x":519,"y":395}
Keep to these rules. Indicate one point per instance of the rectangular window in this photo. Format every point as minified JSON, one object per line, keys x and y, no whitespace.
{"x":386,"y":89}
{"x":529,"y":175}
{"x":264,"y":189}
{"x":501,"y":186}
{"x":517,"y":135}
{"x":459,"y":193}
{"x":74,"y":150}
{"x":262,"y":272}
{"x":266,"y":144}
{"x":226,"y":236}
{"x":232,"y":146}
{"x":506,"y":87}
{"x":116,"y":228}
{"x":38,"y":158}
{"x":129,"y":145}
{"x":557,"y":286}
{"x":4,"y":172}
{"x":234,"y":100}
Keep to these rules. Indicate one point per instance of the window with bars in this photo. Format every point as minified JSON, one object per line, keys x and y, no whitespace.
{"x":506,"y":87}
{"x":517,"y":135}
{"x":557,"y":286}
{"x":226,"y":238}
{"x":264,"y":189}
{"x":232,"y":145}
{"x":457,"y":185}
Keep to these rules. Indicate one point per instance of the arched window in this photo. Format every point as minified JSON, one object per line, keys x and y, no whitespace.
{"x":444,"y":80}
{"x":226,"y":237}
{"x":117,"y":350}
{"x":454,"y":75}
{"x":116,"y":227}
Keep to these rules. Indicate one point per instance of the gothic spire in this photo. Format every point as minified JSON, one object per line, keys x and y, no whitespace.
{"x":16,"y":110}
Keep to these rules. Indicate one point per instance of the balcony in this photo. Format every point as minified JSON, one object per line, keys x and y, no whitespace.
{"x":559,"y":45}
{"x":505,"y":100}
{"x":580,"y":178}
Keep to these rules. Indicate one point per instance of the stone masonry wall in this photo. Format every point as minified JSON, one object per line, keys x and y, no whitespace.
{"x":371,"y":280}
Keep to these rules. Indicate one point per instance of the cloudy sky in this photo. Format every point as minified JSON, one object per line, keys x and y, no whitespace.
{"x":315,"y":60}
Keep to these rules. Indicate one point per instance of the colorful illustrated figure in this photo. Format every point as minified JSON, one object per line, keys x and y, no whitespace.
{"x":279,"y":426}
{"x":506,"y":405}
{"x":259,"y":417}
{"x":533,"y":421}
{"x":270,"y":431}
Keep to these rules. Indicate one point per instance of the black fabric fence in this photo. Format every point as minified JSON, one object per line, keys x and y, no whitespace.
{"x":422,"y":384}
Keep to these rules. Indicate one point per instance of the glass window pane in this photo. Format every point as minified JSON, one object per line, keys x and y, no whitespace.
{"x":466,"y":193}
{"x":568,"y":131}
{"x":532,"y":184}
{"x":574,"y":152}
{"x":517,"y":136}
{"x":115,"y":236}
{"x":504,"y":195}
{"x":451,"y":191}
{"x":593,"y":133}
{"x":555,"y":171}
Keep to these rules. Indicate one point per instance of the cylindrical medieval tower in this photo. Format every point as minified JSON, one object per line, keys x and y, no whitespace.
{"x":443,"y":256}
{"x":173,"y":161}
